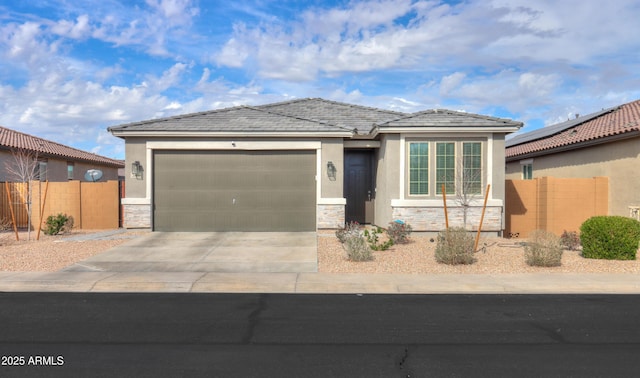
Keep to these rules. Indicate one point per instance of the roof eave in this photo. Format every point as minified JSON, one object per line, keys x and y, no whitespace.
{"x":227,"y":134}
{"x":440,"y":129}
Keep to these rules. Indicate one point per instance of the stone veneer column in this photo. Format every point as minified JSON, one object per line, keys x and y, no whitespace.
{"x":137,"y":216}
{"x":330,"y":216}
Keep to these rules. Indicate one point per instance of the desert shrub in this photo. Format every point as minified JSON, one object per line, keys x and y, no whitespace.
{"x":58,"y":224}
{"x":570,"y":240}
{"x":357,"y":248}
{"x":5,"y":225}
{"x":398,"y":232}
{"x":351,"y":228}
{"x":373,"y":238}
{"x":543,"y":249}
{"x":454,"y":247}
{"x":610,"y":238}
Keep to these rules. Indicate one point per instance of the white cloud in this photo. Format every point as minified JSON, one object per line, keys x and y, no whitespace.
{"x":74,"y":30}
{"x":176,"y":12}
{"x":169,"y":78}
{"x":451,"y":82}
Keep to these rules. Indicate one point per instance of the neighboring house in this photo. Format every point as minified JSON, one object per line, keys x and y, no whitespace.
{"x":605,"y":143}
{"x":57,"y":162}
{"x":309,"y":164}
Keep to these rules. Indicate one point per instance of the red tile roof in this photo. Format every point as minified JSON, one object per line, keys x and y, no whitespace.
{"x":15,"y":139}
{"x":621,"y":120}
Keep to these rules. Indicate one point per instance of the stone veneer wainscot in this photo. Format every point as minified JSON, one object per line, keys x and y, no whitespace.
{"x":432,"y":218}
{"x":137,"y":216}
{"x":330,"y":216}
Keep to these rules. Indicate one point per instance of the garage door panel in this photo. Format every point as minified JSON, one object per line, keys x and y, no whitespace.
{"x":234,"y":191}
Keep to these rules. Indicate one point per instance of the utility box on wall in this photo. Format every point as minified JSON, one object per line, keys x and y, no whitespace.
{"x":369,"y":210}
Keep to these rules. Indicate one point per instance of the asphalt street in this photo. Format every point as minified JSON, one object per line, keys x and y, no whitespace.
{"x":295,"y":335}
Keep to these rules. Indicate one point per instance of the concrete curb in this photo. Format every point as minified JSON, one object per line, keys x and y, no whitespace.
{"x":201,"y":282}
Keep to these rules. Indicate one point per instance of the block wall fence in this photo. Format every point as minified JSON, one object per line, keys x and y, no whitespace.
{"x":93,"y":205}
{"x":553,"y":204}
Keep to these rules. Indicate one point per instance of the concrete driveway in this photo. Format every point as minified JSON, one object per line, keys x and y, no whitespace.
{"x":209,"y":252}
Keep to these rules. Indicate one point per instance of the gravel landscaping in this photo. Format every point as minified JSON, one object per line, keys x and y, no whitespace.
{"x":417,"y":257}
{"x":52,"y":253}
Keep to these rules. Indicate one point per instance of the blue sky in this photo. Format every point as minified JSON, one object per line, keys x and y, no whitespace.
{"x":69,"y":69}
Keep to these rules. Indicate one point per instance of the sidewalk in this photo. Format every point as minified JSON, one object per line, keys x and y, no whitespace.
{"x":201,"y":282}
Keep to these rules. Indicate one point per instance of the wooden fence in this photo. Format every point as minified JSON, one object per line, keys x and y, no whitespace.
{"x":93,"y":205}
{"x":553,"y":204}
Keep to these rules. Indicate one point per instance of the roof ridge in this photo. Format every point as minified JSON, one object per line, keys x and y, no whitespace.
{"x":179,"y":116}
{"x":298,"y":117}
{"x":361,"y":106}
{"x":450,"y":112}
{"x":334,"y":103}
{"x":115,"y":161}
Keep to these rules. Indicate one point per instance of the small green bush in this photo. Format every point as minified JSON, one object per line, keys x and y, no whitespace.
{"x":543,"y":249}
{"x":350,"y":229}
{"x":58,"y":224}
{"x":610,"y":238}
{"x":399,"y":232}
{"x":357,"y":248}
{"x":570,"y":240}
{"x":374,"y":239}
{"x":455,"y":246}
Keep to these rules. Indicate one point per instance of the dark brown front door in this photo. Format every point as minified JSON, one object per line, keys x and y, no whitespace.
{"x":358,"y":186}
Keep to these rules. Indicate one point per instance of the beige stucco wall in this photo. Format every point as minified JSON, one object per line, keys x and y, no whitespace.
{"x":391,"y":204}
{"x":497,"y":186}
{"x":387,"y":177}
{"x":620,"y":161}
{"x":332,"y":150}
{"x":57,"y":169}
{"x":135,"y":150}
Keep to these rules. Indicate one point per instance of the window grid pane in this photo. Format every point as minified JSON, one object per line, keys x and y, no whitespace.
{"x":70,"y":171}
{"x":445,"y":167}
{"x":472,"y":167}
{"x":419,"y":168}
{"x":527,"y":171}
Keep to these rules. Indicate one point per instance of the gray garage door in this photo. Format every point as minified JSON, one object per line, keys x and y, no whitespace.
{"x":234,"y":191}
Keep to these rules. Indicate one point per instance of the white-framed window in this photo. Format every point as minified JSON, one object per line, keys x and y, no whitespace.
{"x":527,"y":169}
{"x":446,"y":167}
{"x":419,"y":168}
{"x":41,"y":171}
{"x":70,"y":170}
{"x":472,"y":167}
{"x":454,"y":164}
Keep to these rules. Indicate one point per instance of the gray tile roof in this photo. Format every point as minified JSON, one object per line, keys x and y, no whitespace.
{"x":235,"y":119}
{"x":309,"y":115}
{"x":336,"y":113}
{"x":448,"y":118}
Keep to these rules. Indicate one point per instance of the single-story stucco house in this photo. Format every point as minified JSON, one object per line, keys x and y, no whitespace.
{"x":56,"y":162}
{"x":604,"y":143}
{"x":310,"y":164}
